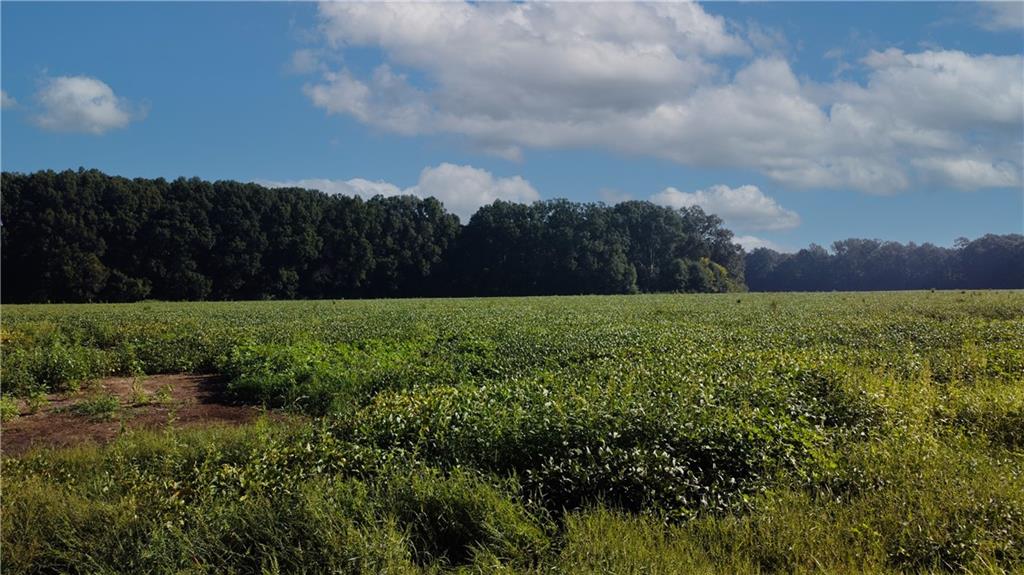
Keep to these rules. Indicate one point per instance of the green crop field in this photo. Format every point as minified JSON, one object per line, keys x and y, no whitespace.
{"x":731,"y":433}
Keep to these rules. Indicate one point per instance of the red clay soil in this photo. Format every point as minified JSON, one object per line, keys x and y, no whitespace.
{"x":151,"y":402}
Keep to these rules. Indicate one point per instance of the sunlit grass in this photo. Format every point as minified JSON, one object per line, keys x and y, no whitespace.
{"x":837,"y":433}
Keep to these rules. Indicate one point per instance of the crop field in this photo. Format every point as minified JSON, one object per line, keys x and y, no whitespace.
{"x":728,"y":433}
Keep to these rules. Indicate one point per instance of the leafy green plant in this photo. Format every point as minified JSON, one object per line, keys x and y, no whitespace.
{"x":56,"y":367}
{"x":139,"y":395}
{"x":98,"y":406}
{"x":8,"y":408}
{"x":35,"y":401}
{"x":164,"y":395}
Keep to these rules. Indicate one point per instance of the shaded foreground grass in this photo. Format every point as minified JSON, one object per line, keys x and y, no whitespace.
{"x":740,"y":434}
{"x":286,"y":498}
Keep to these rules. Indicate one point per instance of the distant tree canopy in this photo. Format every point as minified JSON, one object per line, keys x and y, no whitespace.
{"x":561,"y":247}
{"x":79,"y":236}
{"x":991,"y":261}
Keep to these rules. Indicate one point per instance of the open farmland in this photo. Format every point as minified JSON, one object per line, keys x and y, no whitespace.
{"x":878,"y":432}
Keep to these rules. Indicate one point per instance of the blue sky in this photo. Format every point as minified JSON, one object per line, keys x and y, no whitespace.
{"x":796,"y":122}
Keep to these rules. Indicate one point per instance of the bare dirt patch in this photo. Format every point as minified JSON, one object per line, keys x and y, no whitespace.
{"x":147,"y":402}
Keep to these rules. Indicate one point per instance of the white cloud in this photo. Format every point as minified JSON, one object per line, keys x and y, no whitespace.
{"x":462,"y":189}
{"x":81,"y":104}
{"x":7,"y":101}
{"x":1000,"y":16}
{"x":502,"y":69}
{"x":368,"y":188}
{"x":751,"y":243}
{"x":353,"y":187}
{"x":942,"y":90}
{"x":744,"y":207}
{"x":970,"y":174}
{"x":494,"y":58}
{"x":387,"y":101}
{"x":647,"y":79}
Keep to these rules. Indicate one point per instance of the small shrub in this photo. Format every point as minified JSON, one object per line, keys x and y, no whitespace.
{"x":8,"y":408}
{"x":98,"y":406}
{"x":55,"y":367}
{"x":36,"y":400}
{"x":164,"y":395}
{"x":139,"y":395}
{"x":318,"y":379}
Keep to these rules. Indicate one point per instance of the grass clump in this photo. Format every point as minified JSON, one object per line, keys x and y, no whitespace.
{"x":255,"y":502}
{"x":449,"y":518}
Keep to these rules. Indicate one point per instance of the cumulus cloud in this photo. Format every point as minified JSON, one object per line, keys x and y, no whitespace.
{"x":744,"y":207}
{"x":513,"y":75}
{"x":649,"y":79}
{"x":462,"y":189}
{"x":542,"y":54}
{"x":385,"y":100}
{"x":970,"y":174}
{"x":82,"y":104}
{"x":7,"y":101}
{"x":917,"y":88}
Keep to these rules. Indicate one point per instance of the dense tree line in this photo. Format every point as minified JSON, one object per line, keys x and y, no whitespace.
{"x":991,"y":261}
{"x":559,"y":247}
{"x":86,"y":236}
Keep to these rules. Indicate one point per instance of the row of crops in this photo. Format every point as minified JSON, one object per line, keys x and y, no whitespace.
{"x":717,"y":433}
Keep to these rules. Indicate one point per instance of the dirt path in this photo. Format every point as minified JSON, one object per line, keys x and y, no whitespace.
{"x":149,"y":402}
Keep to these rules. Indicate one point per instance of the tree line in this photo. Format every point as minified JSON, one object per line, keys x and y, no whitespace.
{"x":79,"y":236}
{"x":991,"y":261}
